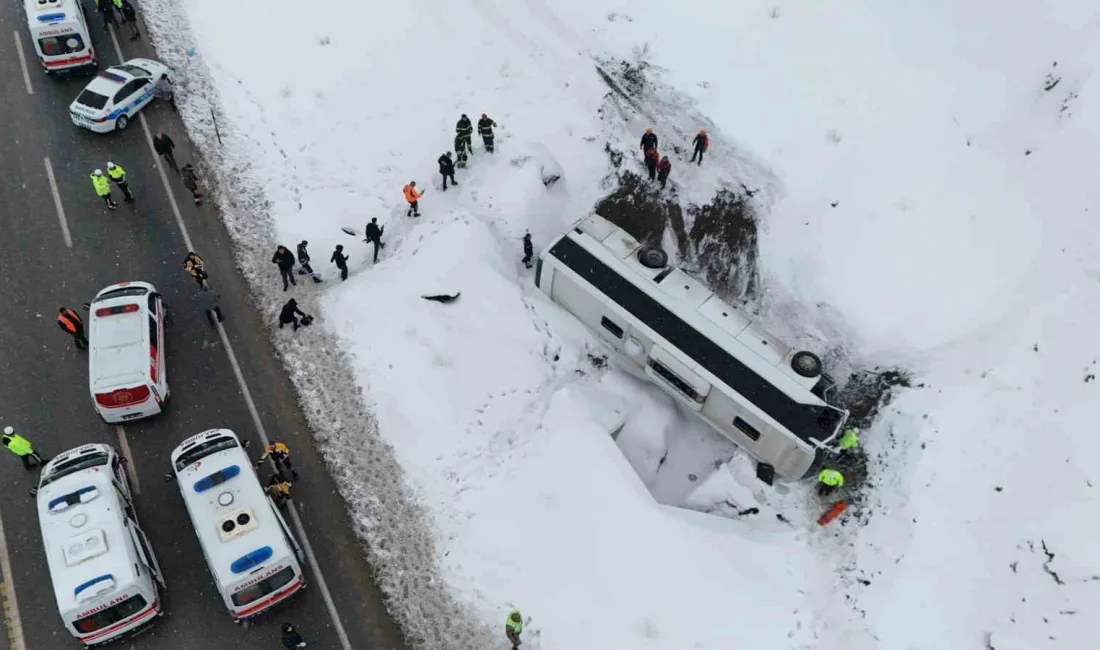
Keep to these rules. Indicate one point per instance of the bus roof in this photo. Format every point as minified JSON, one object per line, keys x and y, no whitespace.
{"x":82,"y":517}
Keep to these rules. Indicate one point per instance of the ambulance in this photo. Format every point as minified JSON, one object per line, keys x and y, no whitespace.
{"x":106,"y":579}
{"x":59,"y":32}
{"x":252,"y":556}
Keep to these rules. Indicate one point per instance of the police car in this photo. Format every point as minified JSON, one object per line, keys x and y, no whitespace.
{"x":115,"y":96}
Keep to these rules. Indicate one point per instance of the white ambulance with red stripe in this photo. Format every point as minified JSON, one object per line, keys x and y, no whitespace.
{"x":253,"y":557}
{"x":126,"y":356}
{"x":59,"y":32}
{"x":106,"y":579}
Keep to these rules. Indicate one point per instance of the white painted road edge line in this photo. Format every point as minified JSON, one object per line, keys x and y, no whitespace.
{"x":11,"y":609}
{"x":57,"y":203}
{"x":298,"y":527}
{"x":23,"y":63}
{"x":131,"y":469}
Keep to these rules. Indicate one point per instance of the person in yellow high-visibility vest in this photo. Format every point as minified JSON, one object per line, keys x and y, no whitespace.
{"x":828,"y":481}
{"x":21,"y":447}
{"x":849,"y":440}
{"x":103,"y":188}
{"x":513,"y":626}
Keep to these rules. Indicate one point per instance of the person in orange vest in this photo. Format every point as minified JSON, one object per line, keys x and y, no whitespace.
{"x":651,"y":158}
{"x":663,"y":169}
{"x":701,"y":142}
{"x":70,"y":323}
{"x":413,"y":198}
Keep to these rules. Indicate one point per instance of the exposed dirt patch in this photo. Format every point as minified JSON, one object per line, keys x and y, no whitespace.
{"x":636,"y":207}
{"x":724,"y":242}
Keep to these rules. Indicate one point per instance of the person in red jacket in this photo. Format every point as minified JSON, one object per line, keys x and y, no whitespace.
{"x":663,"y":169}
{"x":701,"y":142}
{"x":651,"y":158}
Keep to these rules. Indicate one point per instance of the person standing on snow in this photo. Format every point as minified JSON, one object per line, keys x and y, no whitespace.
{"x":412,"y":197}
{"x":485,"y":130}
{"x":651,"y":158}
{"x":649,"y":140}
{"x":460,"y":152}
{"x":164,"y":146}
{"x":341,"y":261}
{"x":513,"y":627}
{"x":303,"y":260}
{"x":849,"y":440}
{"x":374,"y":236}
{"x":285,"y":260}
{"x":700,"y":143}
{"x":464,"y":132}
{"x":528,"y":250}
{"x":194,"y":266}
{"x":447,"y":169}
{"x":103,"y":186}
{"x":70,"y":323}
{"x":118,"y":177}
{"x":289,"y":314}
{"x":664,"y":168}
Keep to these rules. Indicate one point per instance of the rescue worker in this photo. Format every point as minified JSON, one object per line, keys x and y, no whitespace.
{"x":460,"y":153}
{"x":649,"y":140}
{"x":447,"y":169}
{"x":828,"y":481}
{"x":71,"y":323}
{"x":290,"y":313}
{"x":280,"y":454}
{"x":194,"y":266}
{"x":413,"y":199}
{"x":164,"y":146}
{"x":291,"y":638}
{"x":528,"y":250}
{"x":849,"y":440}
{"x":209,"y":301}
{"x":701,"y":142}
{"x":513,"y":627}
{"x":303,"y":260}
{"x":191,"y":182}
{"x":129,"y":15}
{"x":485,"y":130}
{"x":341,"y":261}
{"x":464,"y":132}
{"x":374,"y":236}
{"x":118,"y":177}
{"x":651,"y":158}
{"x":118,"y":9}
{"x":103,"y":187}
{"x":664,"y":168}
{"x":107,"y":11}
{"x":278,"y":489}
{"x":285,"y":261}
{"x":22,"y":447}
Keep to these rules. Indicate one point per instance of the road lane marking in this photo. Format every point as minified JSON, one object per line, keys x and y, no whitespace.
{"x":11,"y":605}
{"x":298,"y":527}
{"x":131,"y":469}
{"x":23,"y":63}
{"x":345,"y":643}
{"x":57,"y":203}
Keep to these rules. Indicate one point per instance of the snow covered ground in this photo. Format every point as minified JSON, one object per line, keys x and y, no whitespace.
{"x":927,"y":198}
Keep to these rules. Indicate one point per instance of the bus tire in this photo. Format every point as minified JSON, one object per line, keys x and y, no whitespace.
{"x":652,"y":257}
{"x":806,"y":364}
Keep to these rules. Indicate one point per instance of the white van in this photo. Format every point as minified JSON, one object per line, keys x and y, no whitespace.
{"x":126,"y":370}
{"x":59,"y":32}
{"x":254,"y":559}
{"x":105,"y":577}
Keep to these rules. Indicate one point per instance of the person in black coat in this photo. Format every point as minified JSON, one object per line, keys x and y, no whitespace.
{"x":649,"y":140}
{"x":464,"y":133}
{"x":374,"y":236}
{"x":447,"y":169}
{"x":528,"y":250}
{"x":164,"y":146}
{"x":303,"y":260}
{"x":485,"y":130}
{"x":107,"y":11}
{"x":285,"y":259}
{"x":291,"y":638}
{"x":341,"y":261}
{"x":129,"y":16}
{"x":290,"y":313}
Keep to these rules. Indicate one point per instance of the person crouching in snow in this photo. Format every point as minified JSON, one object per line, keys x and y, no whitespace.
{"x":651,"y":158}
{"x":413,"y":198}
{"x":663,"y":169}
{"x":447,"y":169}
{"x":290,"y":314}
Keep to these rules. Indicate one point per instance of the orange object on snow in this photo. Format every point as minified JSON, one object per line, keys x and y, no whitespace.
{"x":832,"y":513}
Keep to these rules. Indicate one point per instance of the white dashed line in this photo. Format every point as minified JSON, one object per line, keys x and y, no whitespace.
{"x":131,"y":469}
{"x":23,"y":63}
{"x":11,"y":605}
{"x":57,"y":203}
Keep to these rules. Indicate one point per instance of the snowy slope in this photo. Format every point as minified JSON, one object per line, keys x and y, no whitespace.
{"x":478,"y":448}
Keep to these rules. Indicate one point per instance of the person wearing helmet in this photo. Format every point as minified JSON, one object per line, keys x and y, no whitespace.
{"x":513,"y":627}
{"x":649,"y":140}
{"x":447,"y":169}
{"x":118,"y":177}
{"x":21,"y":447}
{"x":103,"y":188}
{"x":485,"y":130}
{"x":464,"y":132}
{"x":701,"y":142}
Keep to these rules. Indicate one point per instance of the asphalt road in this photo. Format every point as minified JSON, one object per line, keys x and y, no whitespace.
{"x":44,"y":390}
